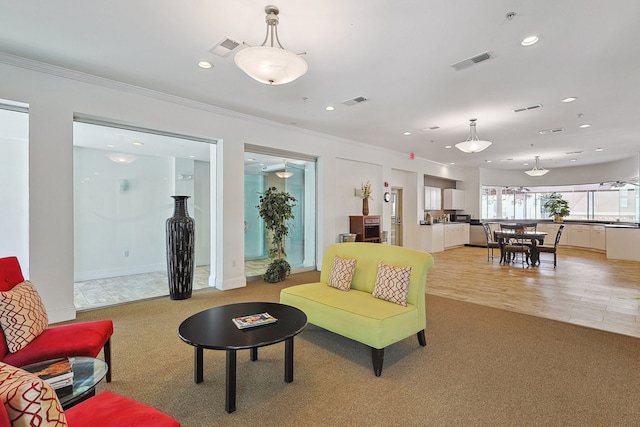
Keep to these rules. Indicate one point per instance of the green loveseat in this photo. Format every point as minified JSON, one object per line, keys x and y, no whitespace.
{"x":356,"y":314}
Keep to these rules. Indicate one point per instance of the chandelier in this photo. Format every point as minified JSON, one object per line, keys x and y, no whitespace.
{"x":285,"y":173}
{"x":473,"y":144}
{"x":536,"y":171}
{"x":268,"y":63}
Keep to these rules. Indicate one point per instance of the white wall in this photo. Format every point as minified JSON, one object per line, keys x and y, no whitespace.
{"x":54,"y":96}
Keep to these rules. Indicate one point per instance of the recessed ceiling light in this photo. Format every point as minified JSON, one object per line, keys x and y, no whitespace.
{"x":407,"y":133}
{"x":329,"y":108}
{"x":487,"y":161}
{"x":570,"y":99}
{"x":138,"y":143}
{"x":585,"y":125}
{"x":599,"y":149}
{"x":525,"y":164}
{"x":452,"y":163}
{"x":447,"y":146}
{"x":573,"y":160}
{"x":110,"y":145}
{"x":205,"y":64}
{"x":528,"y":41}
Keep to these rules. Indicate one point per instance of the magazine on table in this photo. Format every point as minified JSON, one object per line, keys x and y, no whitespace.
{"x":254,"y":320}
{"x":57,"y":373}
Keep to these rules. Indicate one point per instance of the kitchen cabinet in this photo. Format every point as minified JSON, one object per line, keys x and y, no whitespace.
{"x":623,"y":243}
{"x":432,"y":198}
{"x":366,"y":228}
{"x":432,"y":238}
{"x":453,"y":199}
{"x":552,"y":231}
{"x":578,"y":235}
{"x":454,"y":235}
{"x":598,"y":237}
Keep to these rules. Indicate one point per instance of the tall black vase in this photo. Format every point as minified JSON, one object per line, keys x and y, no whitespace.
{"x":180,"y":248}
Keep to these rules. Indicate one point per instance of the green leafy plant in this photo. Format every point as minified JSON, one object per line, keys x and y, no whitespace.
{"x":555,"y":206}
{"x":277,"y":271}
{"x":276,"y":208}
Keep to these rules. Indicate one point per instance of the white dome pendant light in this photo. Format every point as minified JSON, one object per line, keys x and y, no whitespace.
{"x":270,"y":64}
{"x":473,"y":144}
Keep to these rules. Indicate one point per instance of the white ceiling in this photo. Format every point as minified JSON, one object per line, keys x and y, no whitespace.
{"x":398,"y":55}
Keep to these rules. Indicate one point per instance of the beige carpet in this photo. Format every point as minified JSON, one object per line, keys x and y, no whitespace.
{"x":481,"y":367}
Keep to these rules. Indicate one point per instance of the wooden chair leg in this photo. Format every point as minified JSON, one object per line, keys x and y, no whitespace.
{"x":377,"y":356}
{"x":107,"y":358}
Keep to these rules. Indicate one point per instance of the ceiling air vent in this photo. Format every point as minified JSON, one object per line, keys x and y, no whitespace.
{"x":550,"y":131}
{"x":473,"y":60}
{"x":530,"y":107}
{"x":354,"y":101}
{"x":225,"y":47}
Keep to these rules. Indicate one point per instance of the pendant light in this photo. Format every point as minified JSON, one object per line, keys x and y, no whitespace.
{"x":473,"y":144}
{"x":285,"y":173}
{"x":536,"y":171}
{"x":270,"y":63}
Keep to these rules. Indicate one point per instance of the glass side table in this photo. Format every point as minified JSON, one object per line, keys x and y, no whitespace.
{"x":87,"y":373}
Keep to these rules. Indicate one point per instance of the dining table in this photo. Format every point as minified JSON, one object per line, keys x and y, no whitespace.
{"x":534,"y":237}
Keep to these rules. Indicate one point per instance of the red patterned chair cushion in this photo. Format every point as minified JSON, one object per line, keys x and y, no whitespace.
{"x":29,"y":401}
{"x":392,"y":283}
{"x":22,"y":315}
{"x":341,"y":273}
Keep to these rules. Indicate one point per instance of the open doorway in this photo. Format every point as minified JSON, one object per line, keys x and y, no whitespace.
{"x":123,"y":180}
{"x":396,"y":216}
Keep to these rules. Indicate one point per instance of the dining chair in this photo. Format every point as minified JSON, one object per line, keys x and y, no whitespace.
{"x":516,"y":245}
{"x":491,"y":243}
{"x":552,"y":249}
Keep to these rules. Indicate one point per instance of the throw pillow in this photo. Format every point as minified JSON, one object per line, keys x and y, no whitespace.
{"x":341,"y":274}
{"x":22,"y":315}
{"x":28,"y":400}
{"x":392,"y":283}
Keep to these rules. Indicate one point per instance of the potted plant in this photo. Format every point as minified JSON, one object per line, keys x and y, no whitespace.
{"x":555,"y":206}
{"x":276,"y":208}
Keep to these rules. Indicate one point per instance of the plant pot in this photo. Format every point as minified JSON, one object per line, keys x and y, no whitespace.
{"x":557,"y":218}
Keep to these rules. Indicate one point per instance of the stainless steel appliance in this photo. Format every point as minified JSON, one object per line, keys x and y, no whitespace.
{"x":460,"y":217}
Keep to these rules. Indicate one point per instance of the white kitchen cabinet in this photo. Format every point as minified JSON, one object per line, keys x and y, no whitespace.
{"x":432,"y":198}
{"x":552,"y":230}
{"x":432,"y":238}
{"x":454,"y":235}
{"x":598,"y":237}
{"x":466,"y":231}
{"x":578,"y":235}
{"x":623,"y":243}
{"x":453,"y":199}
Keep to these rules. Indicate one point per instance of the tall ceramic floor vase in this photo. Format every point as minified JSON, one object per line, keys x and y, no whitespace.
{"x":180,"y":247}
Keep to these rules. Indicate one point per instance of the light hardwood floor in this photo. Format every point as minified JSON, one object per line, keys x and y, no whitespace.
{"x":585,"y":289}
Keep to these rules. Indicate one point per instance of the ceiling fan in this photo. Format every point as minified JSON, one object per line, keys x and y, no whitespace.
{"x":620,"y":184}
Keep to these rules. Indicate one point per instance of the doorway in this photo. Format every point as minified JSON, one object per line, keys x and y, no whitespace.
{"x":396,"y":216}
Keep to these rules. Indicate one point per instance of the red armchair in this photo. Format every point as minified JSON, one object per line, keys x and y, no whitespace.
{"x":76,"y":339}
{"x":26,"y":400}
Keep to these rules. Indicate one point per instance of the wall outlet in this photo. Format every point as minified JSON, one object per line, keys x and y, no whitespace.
{"x":126,"y":253}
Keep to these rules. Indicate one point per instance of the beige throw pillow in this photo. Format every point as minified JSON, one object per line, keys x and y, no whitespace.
{"x":341,"y":274}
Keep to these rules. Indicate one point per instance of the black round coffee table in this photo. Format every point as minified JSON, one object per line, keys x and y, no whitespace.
{"x":213,"y":329}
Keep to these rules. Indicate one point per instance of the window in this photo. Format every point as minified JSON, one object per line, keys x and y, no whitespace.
{"x":14,"y":179}
{"x":589,"y":202}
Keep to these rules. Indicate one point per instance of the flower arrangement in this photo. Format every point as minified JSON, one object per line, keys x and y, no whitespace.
{"x":366,"y":190}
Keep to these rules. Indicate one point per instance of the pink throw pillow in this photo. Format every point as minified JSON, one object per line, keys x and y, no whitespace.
{"x":341,"y":274}
{"x":392,"y":283}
